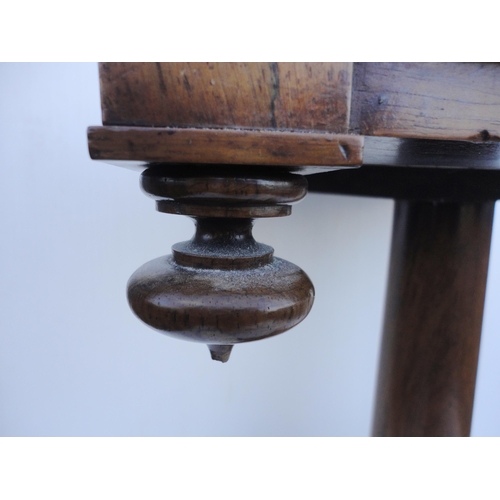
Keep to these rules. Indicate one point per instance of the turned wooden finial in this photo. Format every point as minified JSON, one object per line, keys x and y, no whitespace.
{"x":219,"y":141}
{"x":222,"y":287}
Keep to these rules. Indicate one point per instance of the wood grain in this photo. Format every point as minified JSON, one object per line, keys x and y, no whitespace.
{"x":309,"y":96}
{"x":226,"y":307}
{"x":211,"y":146}
{"x":451,"y":101}
{"x":196,"y":185}
{"x":221,"y":287}
{"x":427,"y":100}
{"x":434,"y":311}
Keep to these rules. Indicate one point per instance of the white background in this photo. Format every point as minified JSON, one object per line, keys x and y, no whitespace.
{"x":74,"y":361}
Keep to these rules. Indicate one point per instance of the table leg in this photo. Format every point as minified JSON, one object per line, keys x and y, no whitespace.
{"x":434,"y":311}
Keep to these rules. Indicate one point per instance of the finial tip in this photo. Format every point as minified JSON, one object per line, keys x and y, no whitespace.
{"x":220,"y":352}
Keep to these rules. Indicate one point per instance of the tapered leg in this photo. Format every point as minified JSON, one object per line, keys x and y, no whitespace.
{"x":434,"y":311}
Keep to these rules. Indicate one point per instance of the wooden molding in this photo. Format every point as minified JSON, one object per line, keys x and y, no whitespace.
{"x":224,"y":146}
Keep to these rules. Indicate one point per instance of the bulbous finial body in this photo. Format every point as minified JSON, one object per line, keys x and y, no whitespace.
{"x":222,"y":287}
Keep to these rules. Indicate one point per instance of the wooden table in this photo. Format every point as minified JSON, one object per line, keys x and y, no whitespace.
{"x":425,"y":134}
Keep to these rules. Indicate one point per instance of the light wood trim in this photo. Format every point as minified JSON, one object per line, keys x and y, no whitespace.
{"x":244,"y":147}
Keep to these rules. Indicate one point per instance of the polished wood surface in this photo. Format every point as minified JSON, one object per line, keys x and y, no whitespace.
{"x":309,"y":96}
{"x":193,"y":185}
{"x":434,"y":311}
{"x":427,"y":100}
{"x":222,"y":287}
